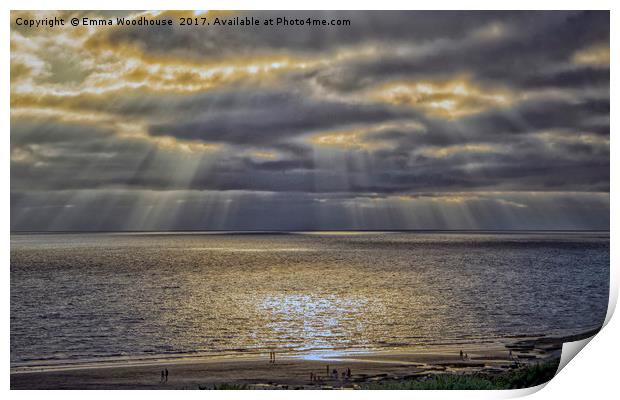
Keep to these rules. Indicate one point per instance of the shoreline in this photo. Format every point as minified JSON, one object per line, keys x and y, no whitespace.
{"x":321,"y":354}
{"x":293,"y":370}
{"x":325,"y":354}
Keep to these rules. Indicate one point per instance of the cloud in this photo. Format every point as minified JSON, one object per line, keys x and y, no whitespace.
{"x":449,"y":98}
{"x":597,"y":55}
{"x":268,"y":118}
{"x":447,"y":151}
{"x":93,"y":210}
{"x":478,"y":119}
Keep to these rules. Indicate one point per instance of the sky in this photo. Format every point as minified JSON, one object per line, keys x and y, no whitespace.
{"x":402,"y":120}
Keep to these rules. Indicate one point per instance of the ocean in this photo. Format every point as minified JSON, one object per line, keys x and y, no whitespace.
{"x":108,"y":296}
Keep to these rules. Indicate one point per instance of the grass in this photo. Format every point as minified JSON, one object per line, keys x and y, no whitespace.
{"x":230,"y":386}
{"x":439,"y":382}
{"x":520,"y":378}
{"x":529,"y":376}
{"x":523,"y":377}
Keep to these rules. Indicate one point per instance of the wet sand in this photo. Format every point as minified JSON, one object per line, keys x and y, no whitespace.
{"x":291,"y":371}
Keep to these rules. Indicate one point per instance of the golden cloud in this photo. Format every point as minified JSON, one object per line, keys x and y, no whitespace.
{"x":344,"y":140}
{"x":461,"y":198}
{"x":185,"y":146}
{"x":597,"y":56}
{"x":263,"y":154}
{"x":557,"y":137}
{"x":359,"y":138}
{"x":452,"y":98}
{"x":447,"y":151}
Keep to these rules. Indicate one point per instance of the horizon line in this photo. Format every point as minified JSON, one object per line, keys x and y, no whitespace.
{"x":306,"y":230}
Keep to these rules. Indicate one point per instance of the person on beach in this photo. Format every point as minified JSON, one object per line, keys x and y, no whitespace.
{"x":335,"y":373}
{"x":327,"y":370}
{"x":161,"y":380}
{"x":166,"y":369}
{"x":461,"y":354}
{"x":349,"y":373}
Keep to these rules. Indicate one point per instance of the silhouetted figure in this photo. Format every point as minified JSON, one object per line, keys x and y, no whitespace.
{"x":510,"y":354}
{"x":335,"y":373}
{"x":466,"y":356}
{"x":461,"y":354}
{"x":162,"y":377}
{"x":327,"y":369}
{"x":348,"y":372}
{"x":311,"y":377}
{"x":166,"y":374}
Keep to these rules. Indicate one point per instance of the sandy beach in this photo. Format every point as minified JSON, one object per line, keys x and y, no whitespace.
{"x":292,"y":371}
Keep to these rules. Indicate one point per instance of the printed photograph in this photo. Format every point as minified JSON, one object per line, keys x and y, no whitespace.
{"x":227,"y":200}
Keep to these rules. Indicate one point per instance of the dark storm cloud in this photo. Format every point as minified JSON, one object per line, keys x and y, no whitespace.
{"x":143,"y":210}
{"x":570,"y":78}
{"x":267,"y":119}
{"x":523,"y":163}
{"x":586,"y":115}
{"x":528,"y":56}
{"x":244,"y":151}
{"x":411,"y":26}
{"x":281,"y":121}
{"x":25,"y":132}
{"x":571,"y":118}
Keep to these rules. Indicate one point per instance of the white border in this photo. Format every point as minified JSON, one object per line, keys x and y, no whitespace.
{"x":592,"y":374}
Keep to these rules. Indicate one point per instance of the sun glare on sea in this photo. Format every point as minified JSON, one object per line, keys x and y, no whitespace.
{"x":315,"y":321}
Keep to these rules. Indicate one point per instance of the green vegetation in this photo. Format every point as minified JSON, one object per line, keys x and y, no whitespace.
{"x":230,"y":386}
{"x":439,"y":382}
{"x":520,"y":378}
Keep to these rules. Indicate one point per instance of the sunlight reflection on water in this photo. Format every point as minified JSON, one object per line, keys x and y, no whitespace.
{"x":107,"y":295}
{"x":318,"y":322}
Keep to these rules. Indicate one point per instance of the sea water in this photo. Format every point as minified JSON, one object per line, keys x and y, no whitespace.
{"x":130,"y":295}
